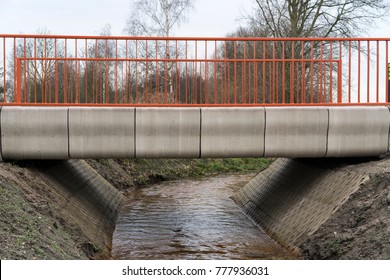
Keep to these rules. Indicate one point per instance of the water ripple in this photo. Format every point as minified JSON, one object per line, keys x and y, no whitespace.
{"x":190,"y":220}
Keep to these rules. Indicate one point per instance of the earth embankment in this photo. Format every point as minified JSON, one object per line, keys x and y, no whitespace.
{"x":56,"y":210}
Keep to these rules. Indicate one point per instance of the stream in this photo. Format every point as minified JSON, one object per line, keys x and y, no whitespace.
{"x":190,"y":219}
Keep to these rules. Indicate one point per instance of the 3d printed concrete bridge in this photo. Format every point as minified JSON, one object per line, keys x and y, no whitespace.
{"x":133,"y":97}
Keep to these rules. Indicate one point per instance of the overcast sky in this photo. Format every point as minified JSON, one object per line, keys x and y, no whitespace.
{"x":88,"y":17}
{"x":211,"y":18}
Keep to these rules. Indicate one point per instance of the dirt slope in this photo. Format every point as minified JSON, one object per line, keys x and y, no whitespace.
{"x":32,"y":223}
{"x":360,"y":229}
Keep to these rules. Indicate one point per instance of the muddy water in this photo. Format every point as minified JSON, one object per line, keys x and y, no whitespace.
{"x":190,"y":220}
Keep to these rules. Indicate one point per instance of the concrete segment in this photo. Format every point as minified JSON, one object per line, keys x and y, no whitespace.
{"x":296,"y":132}
{"x":167,"y":132}
{"x":232,"y":132}
{"x":34,"y":132}
{"x":101,"y":132}
{"x":358,"y":131}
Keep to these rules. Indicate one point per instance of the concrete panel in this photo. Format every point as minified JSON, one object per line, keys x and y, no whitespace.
{"x":358,"y":131}
{"x":232,"y":132}
{"x":167,"y":132}
{"x":101,"y":132}
{"x":34,"y":133}
{"x":296,"y":132}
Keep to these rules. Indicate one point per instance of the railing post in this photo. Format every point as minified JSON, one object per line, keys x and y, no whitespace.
{"x":18,"y":80}
{"x":340,"y":83}
{"x":340,"y":77}
{"x":388,"y":83}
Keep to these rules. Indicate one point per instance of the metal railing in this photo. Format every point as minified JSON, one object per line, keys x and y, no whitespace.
{"x":156,"y":71}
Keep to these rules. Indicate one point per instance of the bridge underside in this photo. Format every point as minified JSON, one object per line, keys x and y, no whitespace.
{"x":203,"y":132}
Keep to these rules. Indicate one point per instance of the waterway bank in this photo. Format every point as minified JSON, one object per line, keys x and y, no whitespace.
{"x":360,"y":229}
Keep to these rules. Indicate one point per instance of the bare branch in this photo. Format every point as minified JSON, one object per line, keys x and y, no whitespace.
{"x":317,"y":18}
{"x":157,"y":17}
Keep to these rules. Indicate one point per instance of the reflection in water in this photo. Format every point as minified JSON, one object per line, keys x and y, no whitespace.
{"x":190,"y":220}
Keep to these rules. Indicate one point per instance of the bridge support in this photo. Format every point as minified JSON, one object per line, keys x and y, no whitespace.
{"x":289,"y":206}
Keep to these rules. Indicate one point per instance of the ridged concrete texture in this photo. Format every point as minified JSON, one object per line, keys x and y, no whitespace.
{"x":97,"y":133}
{"x":358,"y":131}
{"x":148,"y":132}
{"x":167,"y":132}
{"x":292,"y":198}
{"x":34,"y":133}
{"x":232,"y":132}
{"x":87,"y":197}
{"x":296,"y":132}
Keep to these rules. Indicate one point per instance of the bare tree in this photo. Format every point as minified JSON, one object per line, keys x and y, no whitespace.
{"x":312,"y":18}
{"x":157,"y":18}
{"x":37,"y":68}
{"x":97,"y":75}
{"x":317,"y":18}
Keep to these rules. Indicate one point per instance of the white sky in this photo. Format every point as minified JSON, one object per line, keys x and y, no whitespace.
{"x":88,"y":17}
{"x":211,"y":18}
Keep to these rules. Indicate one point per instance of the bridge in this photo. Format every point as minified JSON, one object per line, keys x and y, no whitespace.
{"x":80,"y":97}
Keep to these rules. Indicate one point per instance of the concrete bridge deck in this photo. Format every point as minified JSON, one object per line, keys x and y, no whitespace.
{"x":204,"y":132}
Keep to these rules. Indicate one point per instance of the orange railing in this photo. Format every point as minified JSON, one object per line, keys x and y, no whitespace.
{"x":156,"y":71}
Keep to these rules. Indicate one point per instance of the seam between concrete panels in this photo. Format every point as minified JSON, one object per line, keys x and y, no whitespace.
{"x":200,"y":132}
{"x":264,"y":130}
{"x":1,"y":137}
{"x":388,"y":132}
{"x":327,"y":133}
{"x":135,"y":132}
{"x":68,"y":129}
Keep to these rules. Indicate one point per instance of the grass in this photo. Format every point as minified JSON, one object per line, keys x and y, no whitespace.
{"x":25,"y":231}
{"x":146,"y":171}
{"x":215,"y":166}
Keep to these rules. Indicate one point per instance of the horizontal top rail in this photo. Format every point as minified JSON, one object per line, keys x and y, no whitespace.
{"x":75,"y":70}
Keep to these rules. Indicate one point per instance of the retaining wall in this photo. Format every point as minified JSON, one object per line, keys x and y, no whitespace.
{"x":87,"y":198}
{"x":293,"y":198}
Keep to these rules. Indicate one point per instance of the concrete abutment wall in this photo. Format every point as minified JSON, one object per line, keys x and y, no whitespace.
{"x":293,"y":198}
{"x":104,"y":132}
{"x":87,"y":199}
